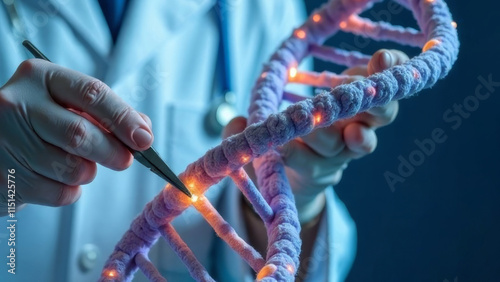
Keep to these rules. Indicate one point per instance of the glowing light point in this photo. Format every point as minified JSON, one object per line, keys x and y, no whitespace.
{"x":263,"y":75}
{"x":293,"y":72}
{"x":431,"y":43}
{"x":316,"y":18}
{"x":290,"y":268}
{"x":454,"y":24}
{"x":429,"y":1}
{"x":111,"y":273}
{"x":343,"y":24}
{"x":194,"y":198}
{"x":317,"y":119}
{"x":266,"y":271}
{"x":245,"y":158}
{"x":300,"y":34}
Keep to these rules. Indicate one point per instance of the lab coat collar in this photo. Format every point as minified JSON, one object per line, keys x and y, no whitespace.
{"x":146,"y":26}
{"x":81,"y":16}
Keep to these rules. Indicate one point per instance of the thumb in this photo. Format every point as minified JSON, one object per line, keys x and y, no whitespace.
{"x":384,"y":59}
{"x":235,"y":126}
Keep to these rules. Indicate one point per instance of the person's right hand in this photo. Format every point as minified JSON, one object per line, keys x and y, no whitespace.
{"x":55,"y":125}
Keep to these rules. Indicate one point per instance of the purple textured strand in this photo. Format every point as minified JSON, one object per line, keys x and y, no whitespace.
{"x":196,"y":269}
{"x":292,"y":97}
{"x":324,"y":79}
{"x":283,"y":232}
{"x":339,"y":56}
{"x":228,"y":234}
{"x":148,"y":268}
{"x":246,"y":186}
{"x":384,"y":31}
{"x":269,"y":129}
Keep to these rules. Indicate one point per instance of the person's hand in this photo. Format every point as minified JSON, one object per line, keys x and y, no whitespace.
{"x":56,"y":124}
{"x":316,"y":161}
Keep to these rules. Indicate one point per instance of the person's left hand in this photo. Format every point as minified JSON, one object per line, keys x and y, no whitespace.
{"x":316,"y":161}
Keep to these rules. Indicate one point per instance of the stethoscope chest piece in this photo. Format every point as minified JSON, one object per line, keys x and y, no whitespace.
{"x":222,"y":111}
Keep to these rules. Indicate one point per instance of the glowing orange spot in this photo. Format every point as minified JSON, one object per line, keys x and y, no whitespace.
{"x":316,"y":18}
{"x":266,"y":271}
{"x":290,"y":268}
{"x":429,"y":1}
{"x":194,"y":198}
{"x":454,"y":24}
{"x":111,"y":273}
{"x":245,"y":158}
{"x":431,"y":43}
{"x":293,"y":72}
{"x":343,"y":24}
{"x":317,"y":119}
{"x":263,"y":75}
{"x":300,"y":34}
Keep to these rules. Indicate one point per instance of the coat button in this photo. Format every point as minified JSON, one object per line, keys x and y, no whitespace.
{"x":88,"y":257}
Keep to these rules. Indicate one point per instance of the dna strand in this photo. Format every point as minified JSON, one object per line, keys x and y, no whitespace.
{"x":268,"y":128}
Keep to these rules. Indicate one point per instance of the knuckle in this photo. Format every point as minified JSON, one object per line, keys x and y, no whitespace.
{"x":76,"y":134}
{"x":76,"y":174}
{"x":121,"y":115}
{"x":27,"y":67}
{"x":334,"y":150}
{"x":93,"y":91}
{"x":110,"y":159}
{"x":389,"y":114}
{"x":4,"y":100}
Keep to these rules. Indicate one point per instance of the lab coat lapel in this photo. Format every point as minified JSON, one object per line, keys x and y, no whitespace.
{"x":146,"y":26}
{"x":87,"y":21}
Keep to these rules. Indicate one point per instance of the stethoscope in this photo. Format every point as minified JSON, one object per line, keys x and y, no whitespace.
{"x":223,"y":105}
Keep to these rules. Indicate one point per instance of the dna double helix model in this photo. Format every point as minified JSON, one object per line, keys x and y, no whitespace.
{"x":268,"y":128}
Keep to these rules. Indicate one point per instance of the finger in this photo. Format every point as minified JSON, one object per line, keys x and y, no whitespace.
{"x":146,"y":119}
{"x":378,"y":116}
{"x":96,"y":123}
{"x":72,"y":89}
{"x":300,"y":157}
{"x":327,"y":141}
{"x":383,"y":59}
{"x":309,"y":169}
{"x":44,"y":191}
{"x":235,"y":126}
{"x":62,"y":166}
{"x":359,"y":139}
{"x":76,"y":135}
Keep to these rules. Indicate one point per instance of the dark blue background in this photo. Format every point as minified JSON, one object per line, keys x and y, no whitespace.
{"x":442,"y":222}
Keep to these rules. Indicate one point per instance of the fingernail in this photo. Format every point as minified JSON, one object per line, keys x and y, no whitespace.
{"x":385,"y":60}
{"x":141,"y":137}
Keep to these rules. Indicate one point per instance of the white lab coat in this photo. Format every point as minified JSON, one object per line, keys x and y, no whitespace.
{"x":163,"y":64}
